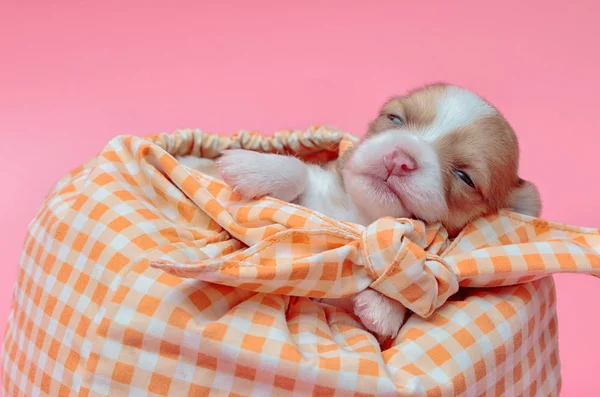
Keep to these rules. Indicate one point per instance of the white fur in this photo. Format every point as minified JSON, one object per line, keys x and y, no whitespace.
{"x":380,"y":314}
{"x":457,"y":108}
{"x":254,"y":174}
{"x":324,"y":193}
{"x":422,"y":191}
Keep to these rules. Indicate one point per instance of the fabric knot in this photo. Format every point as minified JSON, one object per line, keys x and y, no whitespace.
{"x":398,"y":257}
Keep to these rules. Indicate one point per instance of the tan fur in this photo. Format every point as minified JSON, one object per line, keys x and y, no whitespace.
{"x":487,"y":148}
{"x":416,"y":109}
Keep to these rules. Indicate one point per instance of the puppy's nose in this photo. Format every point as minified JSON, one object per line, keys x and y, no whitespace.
{"x":399,"y":163}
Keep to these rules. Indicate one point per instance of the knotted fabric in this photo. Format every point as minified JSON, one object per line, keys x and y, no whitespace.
{"x":142,"y":277}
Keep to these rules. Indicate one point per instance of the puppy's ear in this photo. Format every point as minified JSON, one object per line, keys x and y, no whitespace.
{"x":525,"y":199}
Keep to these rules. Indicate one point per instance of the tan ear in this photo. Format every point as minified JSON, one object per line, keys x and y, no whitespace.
{"x":525,"y":199}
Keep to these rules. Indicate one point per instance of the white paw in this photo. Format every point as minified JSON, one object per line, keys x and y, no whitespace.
{"x":379,"y":314}
{"x":254,"y":175}
{"x":242,"y":170}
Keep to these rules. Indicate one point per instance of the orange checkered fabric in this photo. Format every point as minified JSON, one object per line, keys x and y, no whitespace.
{"x":142,"y":277}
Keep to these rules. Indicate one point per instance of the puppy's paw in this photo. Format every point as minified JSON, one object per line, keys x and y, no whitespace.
{"x":245,"y":171}
{"x":379,"y":314}
{"x":254,"y":175}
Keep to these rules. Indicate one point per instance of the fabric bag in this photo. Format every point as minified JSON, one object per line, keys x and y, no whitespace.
{"x":142,"y":277}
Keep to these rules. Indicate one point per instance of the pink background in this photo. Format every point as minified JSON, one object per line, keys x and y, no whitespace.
{"x":73,"y":75}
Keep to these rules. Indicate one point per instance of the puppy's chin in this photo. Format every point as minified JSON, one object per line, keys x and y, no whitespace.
{"x":373,"y":197}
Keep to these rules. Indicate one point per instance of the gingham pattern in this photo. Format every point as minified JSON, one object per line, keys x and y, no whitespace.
{"x":141,"y":277}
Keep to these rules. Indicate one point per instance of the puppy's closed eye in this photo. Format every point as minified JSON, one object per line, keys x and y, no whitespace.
{"x":465,"y":178}
{"x":395,"y":119}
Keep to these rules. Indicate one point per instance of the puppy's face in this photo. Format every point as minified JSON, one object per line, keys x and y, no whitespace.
{"x":441,"y":153}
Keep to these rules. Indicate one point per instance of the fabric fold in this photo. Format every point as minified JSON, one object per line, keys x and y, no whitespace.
{"x":140,"y":276}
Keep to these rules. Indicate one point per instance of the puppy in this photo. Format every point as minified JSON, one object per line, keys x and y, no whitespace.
{"x":440,"y":153}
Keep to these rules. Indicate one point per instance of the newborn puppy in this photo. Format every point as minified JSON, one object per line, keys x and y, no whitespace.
{"x":440,"y":154}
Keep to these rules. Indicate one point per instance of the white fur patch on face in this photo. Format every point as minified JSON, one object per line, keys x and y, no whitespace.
{"x":457,"y":108}
{"x":379,"y":145}
{"x":374,"y":191}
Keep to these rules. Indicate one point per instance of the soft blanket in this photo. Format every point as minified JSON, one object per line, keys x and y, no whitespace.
{"x":141,"y":277}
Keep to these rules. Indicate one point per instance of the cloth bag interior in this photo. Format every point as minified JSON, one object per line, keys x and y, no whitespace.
{"x":140,"y":276}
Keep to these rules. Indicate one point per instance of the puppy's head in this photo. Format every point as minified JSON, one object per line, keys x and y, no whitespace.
{"x":440,"y":153}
